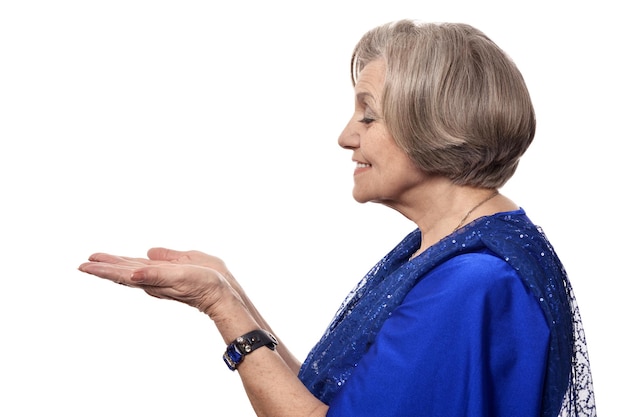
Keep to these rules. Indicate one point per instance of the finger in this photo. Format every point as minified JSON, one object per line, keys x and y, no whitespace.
{"x":193,"y":257}
{"x":122,"y":260}
{"x":143,"y":261}
{"x":170,"y":275}
{"x":164,"y":254}
{"x":113,"y":259}
{"x":162,"y":276}
{"x":116,"y":273}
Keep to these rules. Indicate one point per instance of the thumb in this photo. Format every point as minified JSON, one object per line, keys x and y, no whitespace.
{"x":164,"y":254}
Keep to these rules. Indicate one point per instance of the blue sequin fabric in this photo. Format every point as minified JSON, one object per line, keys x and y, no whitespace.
{"x":568,"y":388}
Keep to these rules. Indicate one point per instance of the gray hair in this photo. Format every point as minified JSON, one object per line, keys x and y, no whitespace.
{"x":452,"y":99}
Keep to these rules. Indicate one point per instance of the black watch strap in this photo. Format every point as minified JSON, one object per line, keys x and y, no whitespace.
{"x":246,"y":344}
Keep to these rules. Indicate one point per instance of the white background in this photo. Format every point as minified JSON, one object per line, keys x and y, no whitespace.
{"x":131,"y":124}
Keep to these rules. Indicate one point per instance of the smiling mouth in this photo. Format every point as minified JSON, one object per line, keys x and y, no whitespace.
{"x":362,"y":165}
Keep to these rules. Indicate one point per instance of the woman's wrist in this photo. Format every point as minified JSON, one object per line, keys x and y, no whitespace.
{"x":231,"y":315}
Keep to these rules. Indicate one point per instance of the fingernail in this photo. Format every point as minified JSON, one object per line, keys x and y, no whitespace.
{"x":137,"y":276}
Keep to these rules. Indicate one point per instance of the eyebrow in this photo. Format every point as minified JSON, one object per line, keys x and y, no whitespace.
{"x":362,"y":96}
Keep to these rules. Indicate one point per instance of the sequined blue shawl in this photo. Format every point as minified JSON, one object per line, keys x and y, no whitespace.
{"x":512,"y":236}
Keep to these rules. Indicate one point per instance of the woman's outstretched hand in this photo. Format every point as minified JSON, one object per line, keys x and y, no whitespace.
{"x":192,"y":277}
{"x":204,"y":282}
{"x":195,"y":257}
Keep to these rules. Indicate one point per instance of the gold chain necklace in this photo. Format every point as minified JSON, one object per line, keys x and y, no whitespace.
{"x":495,"y":193}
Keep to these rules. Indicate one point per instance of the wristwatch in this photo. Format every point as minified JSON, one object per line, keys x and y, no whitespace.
{"x":246,"y":344}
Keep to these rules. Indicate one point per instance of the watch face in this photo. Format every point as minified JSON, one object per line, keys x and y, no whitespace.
{"x":233,"y":356}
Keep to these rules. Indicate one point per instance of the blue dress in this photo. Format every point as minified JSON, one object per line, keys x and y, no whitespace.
{"x":483,"y":323}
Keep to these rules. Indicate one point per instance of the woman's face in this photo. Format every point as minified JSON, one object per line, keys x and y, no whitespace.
{"x":384,"y":173}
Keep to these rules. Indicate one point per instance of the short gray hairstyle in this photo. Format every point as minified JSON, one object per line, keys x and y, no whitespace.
{"x":452,"y":99}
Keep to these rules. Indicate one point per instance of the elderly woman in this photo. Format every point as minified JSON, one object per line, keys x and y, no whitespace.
{"x":472,"y":313}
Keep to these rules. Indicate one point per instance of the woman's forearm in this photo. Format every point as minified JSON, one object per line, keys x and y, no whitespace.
{"x":268,"y":375}
{"x":290,"y":360}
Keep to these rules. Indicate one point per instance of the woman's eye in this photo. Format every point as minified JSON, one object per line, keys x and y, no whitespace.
{"x":366,"y":120}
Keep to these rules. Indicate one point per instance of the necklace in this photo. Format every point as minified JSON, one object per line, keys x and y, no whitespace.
{"x":492,"y":195}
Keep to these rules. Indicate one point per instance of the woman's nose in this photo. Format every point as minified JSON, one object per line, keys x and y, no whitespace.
{"x":349,"y":138}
